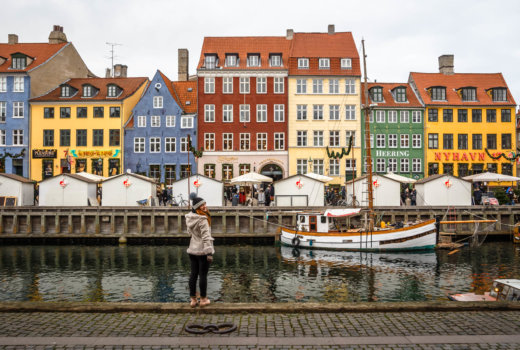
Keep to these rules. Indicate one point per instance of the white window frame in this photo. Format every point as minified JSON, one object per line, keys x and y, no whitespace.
{"x":139,"y":144}
{"x":324,"y":63}
{"x":141,"y":121}
{"x":381,"y":165}
{"x":301,"y":166}
{"x":261,"y":85}
{"x":392,"y":116}
{"x":333,"y":86}
{"x":317,"y":112}
{"x":301,"y":86}
{"x":227,"y":113}
{"x":244,"y":85}
{"x":350,"y":86}
{"x":184,"y":145}
{"x":2,"y":138}
{"x":3,"y":83}
{"x":261,"y":113}
{"x":392,"y":140}
{"x":253,"y":60}
{"x":246,"y":137}
{"x":187,"y":122}
{"x":301,"y":138}
{"x":404,"y":117}
{"x":3,"y":111}
{"x":279,"y":141}
{"x":279,"y":85}
{"x":334,"y":112}
{"x":155,"y":121}
{"x":157,"y":102}
{"x":334,"y":167}
{"x":346,"y":63}
{"x":209,"y":85}
{"x":317,"y":138}
{"x":231,"y":60}
{"x":416,"y":117}
{"x":227,"y":85}
{"x":317,"y":86}
{"x":303,"y":63}
{"x":155,"y":144}
{"x":380,"y":116}
{"x":209,"y":113}
{"x":275,"y":60}
{"x":334,"y":139}
{"x":209,"y":137}
{"x":245,"y":113}
{"x":18,"y":109}
{"x":416,"y":165}
{"x":349,"y":133}
{"x":350,"y":112}
{"x":170,"y":145}
{"x":392,"y":165}
{"x":18,"y":85}
{"x":18,"y":137}
{"x":380,"y":140}
{"x":301,"y":112}
{"x":279,"y":113}
{"x":261,"y":140}
{"x":405,"y":141}
{"x":405,"y":165}
{"x":416,"y":141}
{"x":227,"y":138}
{"x":318,"y":166}
{"x":170,"y":121}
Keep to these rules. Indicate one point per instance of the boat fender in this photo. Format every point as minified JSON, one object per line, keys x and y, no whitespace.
{"x":296,"y":241}
{"x":296,"y":253}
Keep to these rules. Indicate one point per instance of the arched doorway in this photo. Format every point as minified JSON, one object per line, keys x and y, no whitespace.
{"x":272,"y":170}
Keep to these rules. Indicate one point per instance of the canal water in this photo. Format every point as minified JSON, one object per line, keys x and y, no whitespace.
{"x":245,"y":273}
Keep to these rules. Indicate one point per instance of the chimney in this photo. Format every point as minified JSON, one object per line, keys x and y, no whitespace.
{"x":183,"y":62}
{"x":12,"y":39}
{"x":446,"y":64}
{"x":290,"y":34}
{"x":117,"y":70}
{"x":57,"y":36}
{"x":108,"y":73}
{"x":331,"y":29}
{"x":124,"y":70}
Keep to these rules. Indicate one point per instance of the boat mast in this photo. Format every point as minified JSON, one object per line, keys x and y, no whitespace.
{"x":366,"y":108}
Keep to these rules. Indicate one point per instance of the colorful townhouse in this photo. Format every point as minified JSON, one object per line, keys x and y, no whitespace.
{"x":396,"y":130}
{"x":242,"y":103}
{"x":77,"y":126}
{"x":158,"y":133}
{"x":28,"y":70}
{"x":469,"y":121}
{"x":324,"y":104}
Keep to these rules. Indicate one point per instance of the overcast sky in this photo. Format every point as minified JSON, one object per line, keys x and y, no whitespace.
{"x":401,"y":36}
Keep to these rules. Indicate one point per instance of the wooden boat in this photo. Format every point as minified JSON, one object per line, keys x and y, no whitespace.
{"x":501,"y":290}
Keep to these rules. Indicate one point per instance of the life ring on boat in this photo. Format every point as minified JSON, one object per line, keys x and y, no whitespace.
{"x":295,"y":253}
{"x":296,"y":241}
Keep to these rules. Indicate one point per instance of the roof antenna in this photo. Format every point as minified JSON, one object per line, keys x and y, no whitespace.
{"x":112,"y":56}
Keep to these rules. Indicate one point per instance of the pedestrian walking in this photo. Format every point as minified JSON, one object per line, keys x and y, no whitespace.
{"x":268,"y":196}
{"x":413,"y":196}
{"x":201,"y":250}
{"x":477,"y":195}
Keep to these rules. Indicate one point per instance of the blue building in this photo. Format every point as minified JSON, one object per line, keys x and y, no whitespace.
{"x":157,"y":133}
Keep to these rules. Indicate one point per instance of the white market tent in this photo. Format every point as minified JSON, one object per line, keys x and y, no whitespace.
{"x":491,"y":177}
{"x":319,"y":177}
{"x":386,"y":191}
{"x":128,"y":189}
{"x":250,"y":178}
{"x":68,"y":190}
{"x":211,"y":190}
{"x":16,"y":190}
{"x":400,"y":178}
{"x":90,"y":176}
{"x":300,"y":191}
{"x":443,"y":190}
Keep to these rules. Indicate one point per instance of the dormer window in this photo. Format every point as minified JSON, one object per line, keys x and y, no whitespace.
{"x":303,"y":63}
{"x":275,"y":60}
{"x":231,"y":60}
{"x":346,"y":63}
{"x":324,"y":63}
{"x":87,"y":91}
{"x":65,"y":91}
{"x":19,"y":61}
{"x":210,"y":61}
{"x":499,"y":94}
{"x":376,"y":94}
{"x":190,"y":89}
{"x":400,"y":94}
{"x":253,"y":60}
{"x":113,"y":90}
{"x":469,"y":94}
{"x":438,"y":93}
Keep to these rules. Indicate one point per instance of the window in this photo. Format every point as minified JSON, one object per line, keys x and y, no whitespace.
{"x":301,"y":86}
{"x":227,"y":171}
{"x":232,"y":60}
{"x":279,"y":141}
{"x":392,"y":165}
{"x":245,"y":140}
{"x":469,"y":94}
{"x":97,"y":137}
{"x":405,"y":141}
{"x":380,"y":165}
{"x":244,"y":169}
{"x":334,"y":112}
{"x":65,"y":112}
{"x":275,"y":60}
{"x":184,"y":144}
{"x":334,"y":167}
{"x":476,"y":115}
{"x":209,"y":85}
{"x":112,"y":91}
{"x":392,"y":140}
{"x":170,"y":121}
{"x":416,"y":165}
{"x":209,"y":113}
{"x":3,"y":84}
{"x":155,"y":121}
{"x":433,"y":114}
{"x":392,"y":116}
{"x":114,"y":137}
{"x":65,"y":91}
{"x":279,"y":113}
{"x":405,"y":117}
{"x":491,"y":141}
{"x":405,"y":165}
{"x":505,"y":115}
{"x":447,"y":141}
{"x":499,"y":94}
{"x":18,"y":137}
{"x":157,"y":102}
{"x":433,"y":141}
{"x":463,"y":169}
{"x":507,"y":169}
{"x":210,"y":61}
{"x":303,"y":63}
{"x":81,"y":112}
{"x":491,"y":115}
{"x":65,"y":138}
{"x":416,"y":117}
{"x":462,"y":116}
{"x":301,"y":138}
{"x":18,"y":84}
{"x":115,"y":112}
{"x":477,"y":141}
{"x":87,"y":91}
{"x":99,"y":112}
{"x":317,"y":86}
{"x":447,"y":115}
{"x":261,"y":85}
{"x":317,"y":138}
{"x":48,"y":112}
{"x":227,"y":85}
{"x":324,"y":63}
{"x":209,"y":170}
{"x":261,"y":141}
{"x":380,"y":140}
{"x":261,"y":113}
{"x":317,"y":166}
{"x":141,"y":121}
{"x":227,"y":141}
{"x":376,"y":94}
{"x":301,"y":166}
{"x":48,"y":138}
{"x":244,"y":85}
{"x":348,"y":135}
{"x":333,"y":86}
{"x":506,"y":141}
{"x":279,"y":85}
{"x":2,"y":139}
{"x":155,"y":172}
{"x":334,"y":138}
{"x":380,"y":116}
{"x":462,"y":141}
{"x":438,"y":93}
{"x":301,"y":112}
{"x":245,"y":114}
{"x":81,"y":138}
{"x":400,"y":96}
{"x":18,"y":109}
{"x":253,"y":60}
{"x":227,"y":113}
{"x":170,"y":144}
{"x":186,"y":122}
{"x":350,"y":86}
{"x":346,"y":63}
{"x":209,"y":141}
{"x":138,"y":144}
{"x":317,"y":112}
{"x":416,"y":141}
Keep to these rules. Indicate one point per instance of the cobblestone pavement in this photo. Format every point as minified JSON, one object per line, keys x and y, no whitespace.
{"x":374,"y":330}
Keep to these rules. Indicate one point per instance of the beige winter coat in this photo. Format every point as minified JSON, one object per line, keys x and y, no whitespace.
{"x":201,"y":242}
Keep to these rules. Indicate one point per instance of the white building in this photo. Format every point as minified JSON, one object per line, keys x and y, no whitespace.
{"x":68,"y":190}
{"x":386,"y":191}
{"x":299,"y":191}
{"x":16,"y":190}
{"x":128,"y":189}
{"x":443,"y":190}
{"x":211,"y":190}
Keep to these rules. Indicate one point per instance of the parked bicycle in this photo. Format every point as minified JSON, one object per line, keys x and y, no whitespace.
{"x":180,"y":202}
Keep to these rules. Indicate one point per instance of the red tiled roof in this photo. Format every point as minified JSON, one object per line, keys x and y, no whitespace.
{"x":183,"y":96}
{"x":263,"y":45}
{"x":40,"y":52}
{"x":129,"y":86}
{"x":481,"y":81}
{"x":324,"y":45}
{"x":388,"y":98}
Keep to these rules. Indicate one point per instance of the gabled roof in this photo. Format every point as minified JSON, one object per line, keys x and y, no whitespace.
{"x":186,"y":95}
{"x":40,"y":52}
{"x":362,"y":177}
{"x":17,"y":178}
{"x":388,"y":98}
{"x":129,"y":86}
{"x":74,"y":176}
{"x":481,"y":81}
{"x":437,"y":176}
{"x":142,"y":177}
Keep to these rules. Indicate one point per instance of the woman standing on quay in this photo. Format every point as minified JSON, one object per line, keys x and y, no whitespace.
{"x":200,"y":250}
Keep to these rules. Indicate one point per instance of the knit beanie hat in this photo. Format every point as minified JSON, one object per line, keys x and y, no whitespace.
{"x":196,"y":201}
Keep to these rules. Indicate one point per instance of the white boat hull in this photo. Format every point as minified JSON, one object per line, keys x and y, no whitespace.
{"x":413,"y":237}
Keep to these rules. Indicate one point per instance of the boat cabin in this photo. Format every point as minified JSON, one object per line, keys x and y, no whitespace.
{"x":322,"y":221}
{"x":506,"y":289}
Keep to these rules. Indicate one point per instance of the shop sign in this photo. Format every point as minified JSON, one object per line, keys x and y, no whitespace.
{"x":94,"y":153}
{"x":380,"y":153}
{"x":44,"y":153}
{"x":460,"y":156}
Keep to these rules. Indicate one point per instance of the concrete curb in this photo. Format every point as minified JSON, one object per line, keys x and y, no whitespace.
{"x":237,"y":308}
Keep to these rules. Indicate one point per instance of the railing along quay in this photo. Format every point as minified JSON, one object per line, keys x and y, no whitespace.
{"x":227,"y":222}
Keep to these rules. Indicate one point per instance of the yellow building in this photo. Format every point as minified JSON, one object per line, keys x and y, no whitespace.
{"x":469,"y":121}
{"x":324,"y":105}
{"x":78,"y":126}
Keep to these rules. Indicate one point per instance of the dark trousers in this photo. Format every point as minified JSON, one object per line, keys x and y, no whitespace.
{"x":199,"y":269}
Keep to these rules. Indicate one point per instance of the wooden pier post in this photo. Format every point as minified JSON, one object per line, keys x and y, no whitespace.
{"x":69,"y":225}
{"x":83,"y":224}
{"x":57,"y":224}
{"x":28,"y":229}
{"x":15,"y":224}
{"x":42,"y":224}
